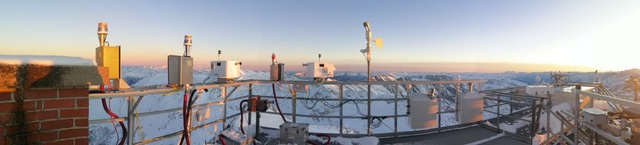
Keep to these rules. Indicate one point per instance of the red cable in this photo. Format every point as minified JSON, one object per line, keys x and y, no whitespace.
{"x":221,"y":139}
{"x":124,"y":129}
{"x":273,"y":87}
{"x":186,"y":117}
{"x":323,"y":135}
{"x":328,"y":138}
{"x":113,"y":122}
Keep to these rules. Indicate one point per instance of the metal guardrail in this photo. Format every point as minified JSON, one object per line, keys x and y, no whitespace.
{"x":138,"y":93}
{"x":575,"y":116}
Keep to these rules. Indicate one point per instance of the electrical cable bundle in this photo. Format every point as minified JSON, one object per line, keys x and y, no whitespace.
{"x":186,"y":111}
{"x":113,"y":115}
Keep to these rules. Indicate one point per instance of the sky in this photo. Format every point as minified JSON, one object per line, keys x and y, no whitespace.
{"x":435,"y":35}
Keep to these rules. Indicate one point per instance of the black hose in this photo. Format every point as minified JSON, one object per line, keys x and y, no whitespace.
{"x":241,"y":115}
{"x":273,"y":87}
{"x":186,"y":115}
{"x":124,"y":129}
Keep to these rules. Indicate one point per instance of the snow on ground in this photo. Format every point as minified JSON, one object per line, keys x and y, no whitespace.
{"x":555,"y":123}
{"x":513,"y":127}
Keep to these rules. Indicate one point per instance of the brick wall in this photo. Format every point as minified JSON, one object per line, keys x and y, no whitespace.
{"x":47,"y":116}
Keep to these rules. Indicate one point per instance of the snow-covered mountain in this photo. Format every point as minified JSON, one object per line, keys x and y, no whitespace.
{"x":157,"y":125}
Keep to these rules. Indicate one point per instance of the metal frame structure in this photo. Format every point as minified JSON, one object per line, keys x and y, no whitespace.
{"x":134,"y":96}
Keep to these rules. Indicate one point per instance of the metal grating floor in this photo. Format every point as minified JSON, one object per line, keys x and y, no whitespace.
{"x":455,"y":137}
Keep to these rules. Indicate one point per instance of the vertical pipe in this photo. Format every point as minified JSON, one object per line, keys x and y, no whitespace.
{"x":255,"y":137}
{"x":498,"y":115}
{"x":250,"y":114}
{"x":511,"y":106}
{"x":294,"y":94}
{"x":549,"y":116}
{"x":368,"y":97}
{"x":533,"y":119}
{"x":223,"y":94}
{"x":576,"y":112}
{"x":395,"y":112}
{"x":130,"y":120}
{"x":340,"y":95}
{"x":439,"y":113}
{"x":457,"y":110}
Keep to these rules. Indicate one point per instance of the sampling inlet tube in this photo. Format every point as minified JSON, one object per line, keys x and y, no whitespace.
{"x":185,"y":116}
{"x":113,"y":115}
{"x":273,"y":87}
{"x":241,"y":115}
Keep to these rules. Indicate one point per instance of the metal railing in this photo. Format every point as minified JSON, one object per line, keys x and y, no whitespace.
{"x":572,"y":123}
{"x":134,"y":96}
{"x":535,"y":103}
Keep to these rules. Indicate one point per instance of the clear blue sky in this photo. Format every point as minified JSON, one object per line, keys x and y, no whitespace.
{"x":593,"y":33}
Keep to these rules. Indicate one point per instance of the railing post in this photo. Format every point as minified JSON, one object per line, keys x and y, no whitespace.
{"x":510,"y":106}
{"x":439,"y":112}
{"x":457,"y":109}
{"x":498,"y":115}
{"x":294,"y":95}
{"x":340,"y":95}
{"x":548,"y":108}
{"x":130,"y":120}
{"x":575,"y":117}
{"x":223,"y":94}
{"x":533,"y":119}
{"x":250,"y":95}
{"x":257,"y":135}
{"x":395,"y":112}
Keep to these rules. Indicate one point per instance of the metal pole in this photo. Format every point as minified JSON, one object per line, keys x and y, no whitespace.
{"x":340,"y":103}
{"x":439,"y":113}
{"x":250,"y":94}
{"x":223,"y":94}
{"x":457,"y":100}
{"x":533,"y":119}
{"x":368,"y":95}
{"x":294,"y":94}
{"x":130,"y":120}
{"x":255,"y":137}
{"x":575,"y":117}
{"x":395,"y":113}
{"x":498,"y":115}
{"x":549,"y":115}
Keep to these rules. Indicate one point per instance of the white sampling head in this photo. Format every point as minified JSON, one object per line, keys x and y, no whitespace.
{"x":102,"y":32}
{"x":187,"y":45}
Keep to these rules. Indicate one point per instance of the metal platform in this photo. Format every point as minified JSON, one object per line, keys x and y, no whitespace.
{"x":456,"y":134}
{"x":470,"y":135}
